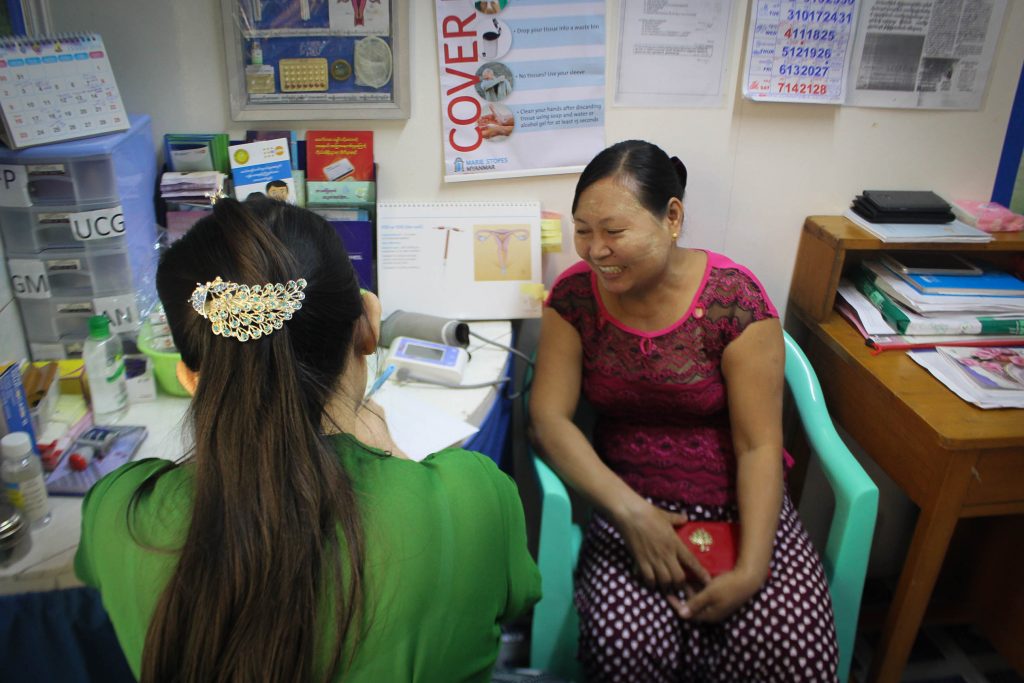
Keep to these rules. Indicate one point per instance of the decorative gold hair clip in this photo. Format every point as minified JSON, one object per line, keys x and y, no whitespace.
{"x":247,"y":312}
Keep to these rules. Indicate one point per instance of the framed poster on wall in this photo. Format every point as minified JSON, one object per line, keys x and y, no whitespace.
{"x":317,"y":59}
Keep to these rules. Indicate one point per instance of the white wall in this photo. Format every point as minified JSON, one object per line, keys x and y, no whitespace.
{"x":756,"y":169}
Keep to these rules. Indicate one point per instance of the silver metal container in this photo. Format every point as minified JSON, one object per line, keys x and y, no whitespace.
{"x":15,"y":541}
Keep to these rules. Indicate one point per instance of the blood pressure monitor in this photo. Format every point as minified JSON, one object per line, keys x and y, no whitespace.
{"x":428,"y":361}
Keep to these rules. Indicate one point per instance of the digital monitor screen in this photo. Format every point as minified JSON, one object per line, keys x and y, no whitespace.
{"x":424,"y":352}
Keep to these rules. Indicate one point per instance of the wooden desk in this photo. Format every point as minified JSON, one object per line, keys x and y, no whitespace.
{"x":952,"y":459}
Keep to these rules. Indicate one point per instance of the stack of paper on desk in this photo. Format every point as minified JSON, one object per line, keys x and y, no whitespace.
{"x":986,"y":377}
{"x":955,"y":231}
{"x":892,"y":314}
{"x":418,"y":427}
{"x":906,"y":321}
{"x":881,"y":336}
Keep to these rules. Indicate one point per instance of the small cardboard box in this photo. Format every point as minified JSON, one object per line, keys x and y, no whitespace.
{"x":17,"y":417}
{"x":139,"y":380}
{"x":43,"y":410}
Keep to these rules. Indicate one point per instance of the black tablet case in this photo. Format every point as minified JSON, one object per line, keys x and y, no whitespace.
{"x":902,"y":206}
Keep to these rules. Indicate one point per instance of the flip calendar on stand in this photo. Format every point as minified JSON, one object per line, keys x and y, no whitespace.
{"x":55,"y":88}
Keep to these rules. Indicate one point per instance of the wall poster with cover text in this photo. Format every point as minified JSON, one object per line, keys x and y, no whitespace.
{"x":522,"y":86}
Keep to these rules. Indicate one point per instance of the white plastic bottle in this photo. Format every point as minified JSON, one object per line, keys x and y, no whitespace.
{"x":104,"y":364}
{"x":22,"y":474}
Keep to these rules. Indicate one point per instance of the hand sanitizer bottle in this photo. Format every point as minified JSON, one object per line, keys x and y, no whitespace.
{"x":104,"y":364}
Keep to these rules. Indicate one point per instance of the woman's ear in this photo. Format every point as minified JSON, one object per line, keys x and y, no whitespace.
{"x":674,"y":216}
{"x":189,"y":379}
{"x":368,"y":334}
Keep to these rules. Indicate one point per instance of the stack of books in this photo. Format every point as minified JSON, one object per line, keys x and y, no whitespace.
{"x":927,"y":310}
{"x":188,"y":196}
{"x":196,"y":187}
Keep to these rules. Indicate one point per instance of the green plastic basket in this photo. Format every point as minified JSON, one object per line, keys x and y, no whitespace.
{"x":165,"y":363}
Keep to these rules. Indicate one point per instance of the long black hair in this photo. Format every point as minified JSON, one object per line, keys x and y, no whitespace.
{"x":274,"y":521}
{"x":643,"y":167}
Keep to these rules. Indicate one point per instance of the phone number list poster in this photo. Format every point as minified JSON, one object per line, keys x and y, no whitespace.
{"x":799,"y":50}
{"x":522,"y":86}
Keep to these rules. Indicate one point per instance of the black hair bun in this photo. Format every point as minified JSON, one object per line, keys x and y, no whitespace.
{"x":680,"y":170}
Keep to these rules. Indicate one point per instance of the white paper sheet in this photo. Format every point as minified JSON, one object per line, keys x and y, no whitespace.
{"x":420,"y":428}
{"x":946,"y":371}
{"x":870,"y":318}
{"x":672,"y":53}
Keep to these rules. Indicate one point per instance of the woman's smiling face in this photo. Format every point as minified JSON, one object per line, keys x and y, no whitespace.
{"x":624,"y":243}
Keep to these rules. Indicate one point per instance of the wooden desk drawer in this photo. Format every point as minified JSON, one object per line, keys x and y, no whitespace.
{"x":998,"y":478}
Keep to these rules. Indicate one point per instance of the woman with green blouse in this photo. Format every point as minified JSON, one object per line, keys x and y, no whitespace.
{"x":295,"y":542}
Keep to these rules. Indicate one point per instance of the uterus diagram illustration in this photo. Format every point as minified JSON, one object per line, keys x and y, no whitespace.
{"x":501,"y":252}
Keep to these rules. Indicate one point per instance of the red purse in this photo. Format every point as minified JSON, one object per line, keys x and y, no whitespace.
{"x":714,"y":544}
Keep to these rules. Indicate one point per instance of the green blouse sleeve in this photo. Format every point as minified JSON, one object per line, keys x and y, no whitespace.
{"x":524,"y":587}
{"x":104,"y":514}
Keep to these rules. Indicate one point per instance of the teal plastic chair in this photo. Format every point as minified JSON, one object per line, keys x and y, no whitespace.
{"x":555,"y":622}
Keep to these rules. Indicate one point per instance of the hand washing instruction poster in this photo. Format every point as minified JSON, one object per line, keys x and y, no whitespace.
{"x":468,"y":260}
{"x":522,"y":86}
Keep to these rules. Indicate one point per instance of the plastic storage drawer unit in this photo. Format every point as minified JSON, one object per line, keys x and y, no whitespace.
{"x":57,"y":327}
{"x":55,"y":350}
{"x":72,"y":180}
{"x":70,"y":273}
{"x":34,"y":229}
{"x":105,"y":168}
{"x":51,"y":320}
{"x":98,"y":173}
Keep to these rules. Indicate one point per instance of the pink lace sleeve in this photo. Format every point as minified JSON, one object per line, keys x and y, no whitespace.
{"x":736,"y":299}
{"x":572,"y":297}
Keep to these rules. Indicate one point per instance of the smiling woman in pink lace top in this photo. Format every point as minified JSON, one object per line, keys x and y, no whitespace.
{"x":680,"y":353}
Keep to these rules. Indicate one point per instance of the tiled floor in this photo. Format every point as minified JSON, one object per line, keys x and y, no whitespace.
{"x":941,"y":654}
